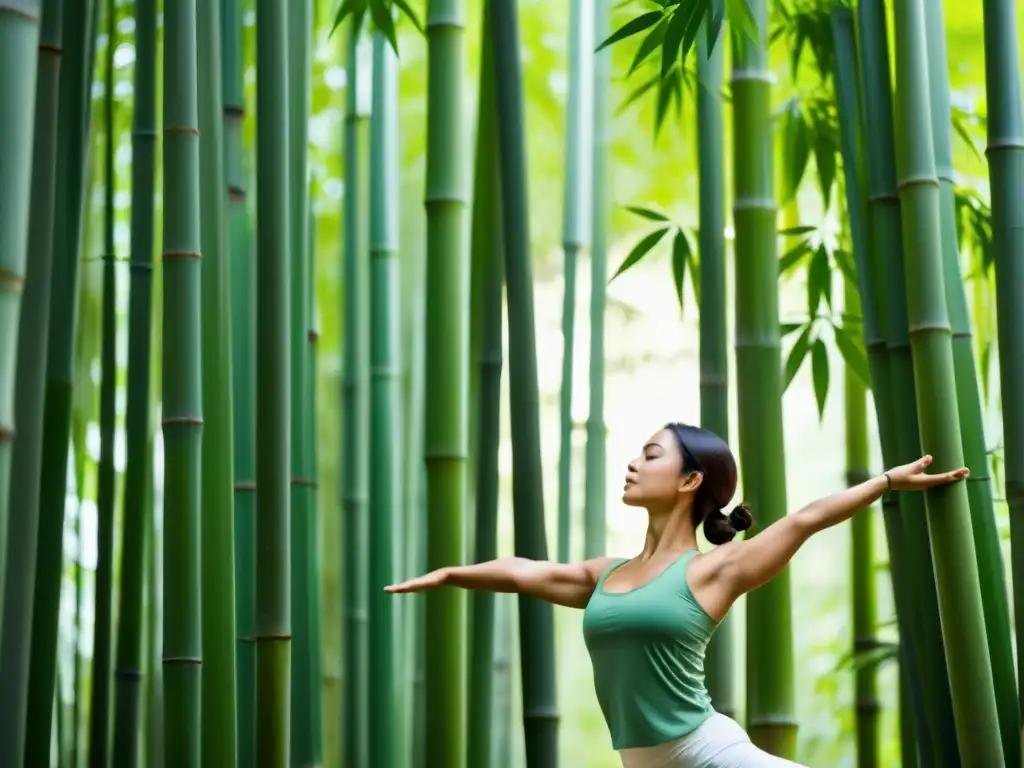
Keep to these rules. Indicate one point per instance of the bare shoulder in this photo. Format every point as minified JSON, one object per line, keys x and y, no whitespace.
{"x":594,"y":567}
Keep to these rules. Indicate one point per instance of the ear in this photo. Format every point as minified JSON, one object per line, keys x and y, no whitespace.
{"x":691,"y":482}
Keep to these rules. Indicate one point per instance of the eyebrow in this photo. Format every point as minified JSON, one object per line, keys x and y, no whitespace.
{"x":653,"y":445}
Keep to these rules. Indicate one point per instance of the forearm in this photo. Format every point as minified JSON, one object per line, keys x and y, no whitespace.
{"x":504,"y":575}
{"x":834,"y":509}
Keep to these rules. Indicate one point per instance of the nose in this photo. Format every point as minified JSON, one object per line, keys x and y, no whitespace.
{"x":631,"y":467}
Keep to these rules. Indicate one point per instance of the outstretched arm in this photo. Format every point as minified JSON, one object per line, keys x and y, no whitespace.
{"x":747,"y":565}
{"x":569,"y":585}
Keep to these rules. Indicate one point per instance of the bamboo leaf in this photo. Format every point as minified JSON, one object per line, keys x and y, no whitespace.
{"x":819,"y":371}
{"x":410,"y":14}
{"x":650,"y":44}
{"x":798,"y":150}
{"x":640,"y":250}
{"x":647,"y":213}
{"x":801,"y":230}
{"x":680,"y":256}
{"x":695,"y":277}
{"x":380,"y":12}
{"x":785,"y":329}
{"x":797,"y":355}
{"x":793,"y":257}
{"x":819,"y":281}
{"x":825,"y":158}
{"x":354,"y":8}
{"x":693,"y":26}
{"x":637,"y":93}
{"x":666,"y":89}
{"x":741,"y":19}
{"x":853,"y":354}
{"x":674,"y":36}
{"x":632,"y":27}
{"x":715,"y":17}
{"x":846,"y":265}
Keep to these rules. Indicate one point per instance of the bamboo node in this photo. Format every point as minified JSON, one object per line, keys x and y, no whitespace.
{"x":245,"y":486}
{"x":128,"y":672}
{"x":182,"y":129}
{"x":884,"y":197}
{"x":244,"y":639}
{"x":135,"y":266}
{"x":919,"y":180}
{"x":868,"y":706}
{"x":867,"y":643}
{"x":11,"y":281}
{"x":144,"y":133}
{"x":33,"y":17}
{"x":174,"y":421}
{"x":1010,"y":142}
{"x":181,"y":255}
{"x":236,"y":193}
{"x":930,"y":326}
{"x":754,"y":202}
{"x":233,"y":110}
{"x":56,"y":50}
{"x":258,"y":636}
{"x":306,"y":481}
{"x":182,"y":660}
{"x":313,"y":336}
{"x":7,"y":434}
{"x":753,"y":76}
{"x":963,"y":334}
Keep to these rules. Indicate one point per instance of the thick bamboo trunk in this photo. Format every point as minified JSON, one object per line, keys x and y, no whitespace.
{"x":356,"y":403}
{"x":182,"y":391}
{"x":1006,"y":174}
{"x":949,"y":523}
{"x":446,"y":412}
{"x":771,"y":705}
{"x":219,"y":737}
{"x":719,"y":662}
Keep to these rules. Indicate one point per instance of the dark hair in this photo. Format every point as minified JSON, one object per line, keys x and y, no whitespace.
{"x":707,"y":453}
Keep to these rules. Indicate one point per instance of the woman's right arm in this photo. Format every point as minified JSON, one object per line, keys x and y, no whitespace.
{"x":570,"y":585}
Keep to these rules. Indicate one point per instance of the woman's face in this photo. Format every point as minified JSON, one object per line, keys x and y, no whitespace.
{"x":655,"y":477}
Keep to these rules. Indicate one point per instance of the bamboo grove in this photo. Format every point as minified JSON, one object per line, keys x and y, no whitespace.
{"x":193,"y":308}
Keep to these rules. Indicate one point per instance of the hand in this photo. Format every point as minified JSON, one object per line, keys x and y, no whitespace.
{"x":911,"y":477}
{"x":431,"y":580}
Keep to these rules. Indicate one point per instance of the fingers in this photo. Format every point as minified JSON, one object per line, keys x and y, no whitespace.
{"x":943,"y":478}
{"x":920,"y":464}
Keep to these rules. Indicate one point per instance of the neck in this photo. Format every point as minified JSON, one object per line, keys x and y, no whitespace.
{"x":669,"y":531}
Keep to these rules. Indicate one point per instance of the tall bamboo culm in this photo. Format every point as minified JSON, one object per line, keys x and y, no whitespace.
{"x":1006,"y":175}
{"x":73,"y":125}
{"x":138,"y":470}
{"x":870,"y":319}
{"x":936,"y":732}
{"x":243,"y":369}
{"x":446,"y":411}
{"x":356,"y":400}
{"x":600,"y":212}
{"x":219,"y":745}
{"x":102,"y":653}
{"x":272,"y":630}
{"x":719,"y":665}
{"x":304,"y":749}
{"x":575,"y":235}
{"x":487,"y":305}
{"x":31,"y":59}
{"x":771,"y":705}
{"x":949,"y":523}
{"x":385,"y":401}
{"x":182,"y":390}
{"x":29,"y":53}
{"x":994,"y":599}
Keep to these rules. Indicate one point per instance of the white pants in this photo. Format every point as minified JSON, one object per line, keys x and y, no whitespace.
{"x":719,"y":742}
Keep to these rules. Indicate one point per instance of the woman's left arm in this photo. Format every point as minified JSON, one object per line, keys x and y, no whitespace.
{"x":747,"y":565}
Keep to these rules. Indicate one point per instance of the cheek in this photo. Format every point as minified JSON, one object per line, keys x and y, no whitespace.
{"x":659,"y":482}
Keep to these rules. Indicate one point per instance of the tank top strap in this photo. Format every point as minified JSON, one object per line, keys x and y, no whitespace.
{"x":608,"y":569}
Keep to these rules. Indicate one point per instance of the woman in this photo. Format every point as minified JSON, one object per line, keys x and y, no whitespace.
{"x":648,"y":620}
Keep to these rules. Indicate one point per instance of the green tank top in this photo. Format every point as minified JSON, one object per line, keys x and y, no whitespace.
{"x":647,"y":647}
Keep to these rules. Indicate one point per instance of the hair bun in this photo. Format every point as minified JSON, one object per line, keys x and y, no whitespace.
{"x":741,"y":518}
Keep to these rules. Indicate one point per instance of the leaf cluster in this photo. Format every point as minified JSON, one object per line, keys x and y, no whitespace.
{"x":684,"y":257}
{"x":382,"y":13}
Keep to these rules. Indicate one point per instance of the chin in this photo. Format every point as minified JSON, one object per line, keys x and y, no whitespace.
{"x":629,"y":498}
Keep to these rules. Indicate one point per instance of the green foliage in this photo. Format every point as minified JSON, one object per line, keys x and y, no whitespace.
{"x":805,"y":24}
{"x":813,"y":254}
{"x":672,"y":26}
{"x":810,"y":124}
{"x":684,"y":255}
{"x":382,"y":13}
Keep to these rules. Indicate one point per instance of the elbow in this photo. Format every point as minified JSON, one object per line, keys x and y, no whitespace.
{"x":808,"y":522}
